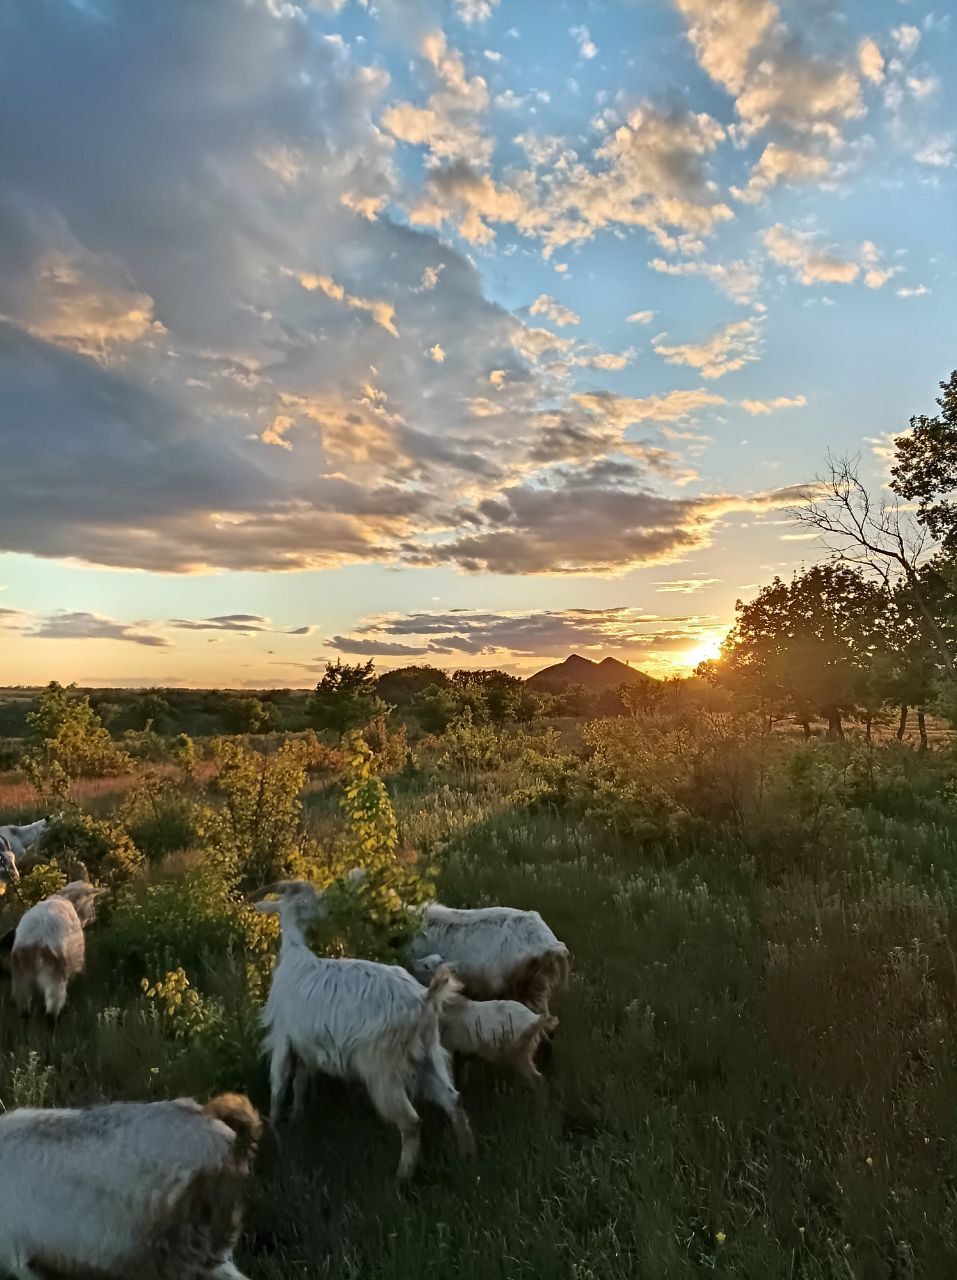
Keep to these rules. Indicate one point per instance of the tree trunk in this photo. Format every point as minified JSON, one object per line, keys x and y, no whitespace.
{"x":770,"y":723}
{"x":902,"y":723}
{"x":867,"y":728}
{"x":922,"y":728}
{"x":806,"y":726}
{"x":835,"y":730}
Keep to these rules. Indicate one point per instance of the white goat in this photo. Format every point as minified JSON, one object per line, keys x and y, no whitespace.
{"x":501,"y":1031}
{"x":496,"y":952}
{"x":22,"y":839}
{"x":9,"y":871}
{"x":145,"y":1189}
{"x":355,"y":1019}
{"x":49,"y":947}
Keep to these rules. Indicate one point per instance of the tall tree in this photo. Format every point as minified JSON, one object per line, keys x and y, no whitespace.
{"x":345,"y":697}
{"x":926,"y":467}
{"x":808,"y":644}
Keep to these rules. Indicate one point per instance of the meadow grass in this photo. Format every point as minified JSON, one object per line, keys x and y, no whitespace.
{"x":753,"y":1075}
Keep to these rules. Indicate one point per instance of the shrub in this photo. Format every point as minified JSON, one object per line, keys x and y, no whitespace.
{"x":469,"y":747}
{"x":104,"y":847}
{"x":370,"y":917}
{"x":69,"y":740}
{"x":259,"y":825}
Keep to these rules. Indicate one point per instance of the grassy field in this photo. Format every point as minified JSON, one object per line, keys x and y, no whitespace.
{"x":754,"y":1072}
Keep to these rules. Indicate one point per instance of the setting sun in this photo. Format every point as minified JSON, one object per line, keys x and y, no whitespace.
{"x":708,"y":647}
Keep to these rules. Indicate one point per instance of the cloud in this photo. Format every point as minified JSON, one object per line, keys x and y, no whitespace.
{"x":60,"y":290}
{"x":383,"y":313}
{"x":651,"y":171}
{"x":600,"y":519}
{"x":474,"y":11}
{"x":242,"y":623}
{"x":938,"y":152}
{"x":685,"y":586}
{"x":775,"y":80}
{"x":808,"y":264}
{"x":918,"y":292}
{"x":66,"y":625}
{"x":736,"y":279}
{"x":450,"y":124}
{"x":755,"y":407}
{"x":554,"y":311}
{"x":546,"y":634}
{"x":906,"y":37}
{"x":641,"y":317}
{"x":730,"y":348}
{"x":871,"y":60}
{"x":625,"y":411}
{"x":437,"y":354}
{"x":586,"y":46}
{"x":782,"y":164}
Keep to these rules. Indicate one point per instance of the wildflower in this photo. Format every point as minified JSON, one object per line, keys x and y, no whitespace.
{"x":869,"y":1161}
{"x":720,"y":1237}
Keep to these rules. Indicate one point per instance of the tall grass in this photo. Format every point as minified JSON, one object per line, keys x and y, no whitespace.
{"x":753,"y":1075}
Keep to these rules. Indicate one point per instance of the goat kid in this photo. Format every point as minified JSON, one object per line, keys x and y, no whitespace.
{"x":499,"y":1031}
{"x":356,"y":1019}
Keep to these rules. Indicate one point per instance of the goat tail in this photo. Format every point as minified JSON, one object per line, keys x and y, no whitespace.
{"x":236,"y":1112}
{"x":443,"y":988}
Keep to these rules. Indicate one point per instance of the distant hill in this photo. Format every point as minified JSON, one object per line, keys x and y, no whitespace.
{"x":597,"y":676}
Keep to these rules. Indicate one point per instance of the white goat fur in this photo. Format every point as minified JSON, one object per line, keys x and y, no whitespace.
{"x":356,"y":1019}
{"x":150,"y":1190}
{"x":49,"y":947}
{"x":9,"y":871}
{"x":22,"y":839}
{"x":496,"y":952}
{"x":501,"y":1031}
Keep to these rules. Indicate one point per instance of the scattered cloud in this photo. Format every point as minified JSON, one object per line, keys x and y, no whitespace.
{"x":685,"y":586}
{"x":459,"y":634}
{"x":810,"y":265}
{"x":782,"y":164}
{"x":756,"y":407}
{"x":919,"y":291}
{"x":554,"y":311}
{"x":473,"y":11}
{"x":383,"y":313}
{"x":586,"y":45}
{"x":437,"y":354}
{"x":69,"y":625}
{"x":871,"y":60}
{"x":730,"y":348}
{"x":241,"y":623}
{"x":775,"y":80}
{"x":938,"y":152}
{"x":737,"y":279}
{"x":641,"y":317}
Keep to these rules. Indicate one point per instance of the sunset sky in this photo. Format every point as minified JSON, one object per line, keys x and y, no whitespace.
{"x":472,"y":332}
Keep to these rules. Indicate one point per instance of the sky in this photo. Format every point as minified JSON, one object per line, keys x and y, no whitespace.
{"x":468,"y":332}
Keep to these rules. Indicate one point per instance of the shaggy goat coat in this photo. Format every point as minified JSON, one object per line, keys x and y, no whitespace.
{"x":22,"y":839}
{"x":149,"y":1191}
{"x":496,"y":952}
{"x":356,"y":1019}
{"x":49,"y":947}
{"x":9,"y":871}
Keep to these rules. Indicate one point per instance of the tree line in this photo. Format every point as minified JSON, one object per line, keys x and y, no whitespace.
{"x":875,"y":626}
